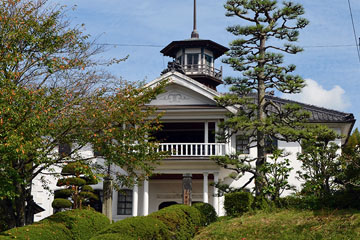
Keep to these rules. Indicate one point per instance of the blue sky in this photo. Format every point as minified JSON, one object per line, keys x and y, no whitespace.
{"x":332,"y":73}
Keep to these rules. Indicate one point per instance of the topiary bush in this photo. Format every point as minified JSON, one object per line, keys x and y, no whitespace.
{"x":183,"y":221}
{"x":135,"y":228}
{"x":39,"y":231}
{"x":77,"y":177}
{"x":208,"y":213}
{"x":83,"y":224}
{"x":72,"y":225}
{"x":262,"y":203}
{"x":238,"y":203}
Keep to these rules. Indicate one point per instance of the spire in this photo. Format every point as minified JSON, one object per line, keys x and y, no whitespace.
{"x":194,"y":33}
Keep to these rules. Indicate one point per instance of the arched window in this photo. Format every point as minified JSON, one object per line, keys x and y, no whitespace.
{"x":124,"y":202}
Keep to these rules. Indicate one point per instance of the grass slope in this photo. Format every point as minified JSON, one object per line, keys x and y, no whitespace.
{"x":287,"y":224}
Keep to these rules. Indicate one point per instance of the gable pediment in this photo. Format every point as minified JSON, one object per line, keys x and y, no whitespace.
{"x":178,"y":95}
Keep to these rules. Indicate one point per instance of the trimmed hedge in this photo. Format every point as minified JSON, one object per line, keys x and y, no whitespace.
{"x":61,"y":203}
{"x":39,"y":231}
{"x":73,"y":225}
{"x":174,"y":222}
{"x":182,"y":220}
{"x":135,"y":228}
{"x":208,"y":213}
{"x":238,"y":203}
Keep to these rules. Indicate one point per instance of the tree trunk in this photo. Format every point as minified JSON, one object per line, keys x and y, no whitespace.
{"x":261,"y":153}
{"x":107,"y":202}
{"x":20,"y":205}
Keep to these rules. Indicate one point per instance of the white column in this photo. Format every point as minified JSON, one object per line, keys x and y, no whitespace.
{"x":216,"y":198}
{"x":146,"y":198}
{"x":206,"y":137}
{"x":135,"y":200}
{"x":206,"y":188}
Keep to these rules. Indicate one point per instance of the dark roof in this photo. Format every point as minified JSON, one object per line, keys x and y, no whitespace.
{"x":318,"y":114}
{"x":171,"y":49}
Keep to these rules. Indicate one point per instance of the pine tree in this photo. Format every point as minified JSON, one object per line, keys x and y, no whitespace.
{"x":77,"y":178}
{"x":258,"y":57}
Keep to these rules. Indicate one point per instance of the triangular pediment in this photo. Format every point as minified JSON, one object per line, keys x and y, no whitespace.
{"x":178,"y":95}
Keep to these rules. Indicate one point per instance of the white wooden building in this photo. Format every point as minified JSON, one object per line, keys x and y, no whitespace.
{"x":190,"y":122}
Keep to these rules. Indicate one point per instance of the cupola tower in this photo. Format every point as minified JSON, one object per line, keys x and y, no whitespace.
{"x":195,"y":57}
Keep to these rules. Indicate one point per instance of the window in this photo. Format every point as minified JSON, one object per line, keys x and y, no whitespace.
{"x":178,"y":60}
{"x":193,"y":59}
{"x":124,"y":202}
{"x":271,"y":144}
{"x":242,"y":144}
{"x":64,"y":149}
{"x":208,"y":60}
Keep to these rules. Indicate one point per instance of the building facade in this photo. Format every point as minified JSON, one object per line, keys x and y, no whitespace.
{"x":190,"y":121}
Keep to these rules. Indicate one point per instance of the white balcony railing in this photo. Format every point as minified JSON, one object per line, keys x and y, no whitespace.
{"x":193,"y":149}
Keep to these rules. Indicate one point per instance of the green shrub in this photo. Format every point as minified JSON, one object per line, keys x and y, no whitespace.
{"x":61,"y":203}
{"x":208,"y":213}
{"x":39,"y":231}
{"x":238,"y":203}
{"x":262,"y":203}
{"x":115,"y":236}
{"x":71,"y":181}
{"x":83,"y":224}
{"x":135,"y":228}
{"x":62,"y":193}
{"x":183,"y":221}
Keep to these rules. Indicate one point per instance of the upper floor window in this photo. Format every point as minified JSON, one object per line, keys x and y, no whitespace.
{"x":64,"y":149}
{"x":179,"y":59}
{"x":192,"y":59}
{"x":124,"y":202}
{"x":271,"y":143}
{"x":242,"y":144}
{"x":208,"y":60}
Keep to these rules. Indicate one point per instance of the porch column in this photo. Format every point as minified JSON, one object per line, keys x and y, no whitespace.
{"x":187,"y":189}
{"x":146,"y":198}
{"x":206,"y":132}
{"x":206,"y":188}
{"x":135,"y":200}
{"x":216,"y":198}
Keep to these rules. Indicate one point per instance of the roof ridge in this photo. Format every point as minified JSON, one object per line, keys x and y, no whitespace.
{"x":309,"y":105}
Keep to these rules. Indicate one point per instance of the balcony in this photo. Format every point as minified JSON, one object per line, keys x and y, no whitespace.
{"x":195,"y":70}
{"x":203,"y":69}
{"x":193,"y":149}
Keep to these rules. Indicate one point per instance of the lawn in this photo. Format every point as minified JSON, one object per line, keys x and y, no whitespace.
{"x":287,"y":224}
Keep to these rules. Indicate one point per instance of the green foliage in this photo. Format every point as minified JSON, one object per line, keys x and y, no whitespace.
{"x":71,"y":181}
{"x":78,"y":190}
{"x":174,"y":222}
{"x":208,"y":213}
{"x":61,"y":203}
{"x":83,"y":224}
{"x":135,"y":228}
{"x":238,"y":203}
{"x":265,"y":30}
{"x":72,"y":225}
{"x":320,"y":163}
{"x":62,"y":193}
{"x":39,"y":231}
{"x":287,"y":225}
{"x":54,"y":91}
{"x":263,"y":204}
{"x":277,"y":171}
{"x":183,"y":221}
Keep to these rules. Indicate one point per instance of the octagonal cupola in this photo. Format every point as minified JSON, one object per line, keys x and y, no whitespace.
{"x":195,"y":58}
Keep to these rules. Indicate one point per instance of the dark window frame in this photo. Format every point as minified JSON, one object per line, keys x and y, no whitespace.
{"x":242,"y":144}
{"x":125,"y":198}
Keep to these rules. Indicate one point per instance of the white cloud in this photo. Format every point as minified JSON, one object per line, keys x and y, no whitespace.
{"x":315,"y":94}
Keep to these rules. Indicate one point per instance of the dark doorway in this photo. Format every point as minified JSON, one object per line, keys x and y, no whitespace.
{"x":166,"y":204}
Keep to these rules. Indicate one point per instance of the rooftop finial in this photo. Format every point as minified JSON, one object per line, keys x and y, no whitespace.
{"x":194,"y":33}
